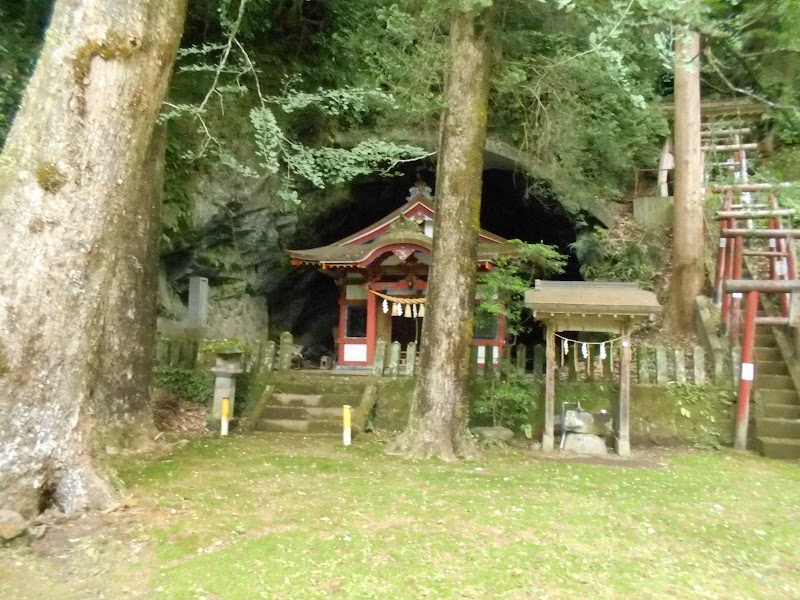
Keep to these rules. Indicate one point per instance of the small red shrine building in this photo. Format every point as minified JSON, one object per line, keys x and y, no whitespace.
{"x":382,"y":274}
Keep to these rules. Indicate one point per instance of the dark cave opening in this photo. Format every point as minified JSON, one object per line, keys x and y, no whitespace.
{"x":307,"y":303}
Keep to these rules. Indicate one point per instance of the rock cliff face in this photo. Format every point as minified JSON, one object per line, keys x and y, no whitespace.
{"x":238,"y":232}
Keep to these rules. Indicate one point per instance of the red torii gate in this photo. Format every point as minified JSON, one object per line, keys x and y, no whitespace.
{"x":754,"y":287}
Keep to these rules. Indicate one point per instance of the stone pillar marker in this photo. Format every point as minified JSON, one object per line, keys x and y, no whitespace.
{"x":198,"y":302}
{"x":661,"y":365}
{"x":699,"y":365}
{"x":394,"y":359}
{"x":268,"y":359}
{"x":643,"y":361}
{"x":380,"y":357}
{"x":285,"y":351}
{"x":226,"y":369}
{"x":411,"y":357}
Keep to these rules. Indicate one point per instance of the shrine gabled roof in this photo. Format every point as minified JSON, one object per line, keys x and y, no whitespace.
{"x":367,"y":244}
{"x":419,"y":207}
{"x":401,"y":243}
{"x":616,"y":300}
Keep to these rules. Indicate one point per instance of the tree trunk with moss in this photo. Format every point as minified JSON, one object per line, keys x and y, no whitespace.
{"x":79,"y":220}
{"x":438,"y":420}
{"x":688,"y":270}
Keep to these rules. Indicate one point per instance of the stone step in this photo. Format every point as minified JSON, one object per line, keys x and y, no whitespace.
{"x":768,"y":354}
{"x":782,"y":411}
{"x":765,"y":340}
{"x":321,"y":385}
{"x":778,"y":447}
{"x":778,"y":428}
{"x":311,"y":400}
{"x":302,"y":412}
{"x":298,"y":426}
{"x":772,"y":367}
{"x":774,"y":382}
{"x":769,"y":396}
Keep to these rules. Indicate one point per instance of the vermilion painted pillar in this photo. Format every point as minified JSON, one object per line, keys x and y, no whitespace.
{"x":342,"y":322}
{"x":736,"y":298}
{"x":748,"y":371}
{"x":721,"y":256}
{"x":372,"y":325}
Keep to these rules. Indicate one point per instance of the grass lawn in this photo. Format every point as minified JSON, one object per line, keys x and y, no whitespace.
{"x":291,"y":517}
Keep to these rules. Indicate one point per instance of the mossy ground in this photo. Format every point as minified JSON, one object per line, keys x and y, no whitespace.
{"x":282,"y":516}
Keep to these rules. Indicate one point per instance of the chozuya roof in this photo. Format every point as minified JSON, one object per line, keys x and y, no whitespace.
{"x":399,"y":233}
{"x":591,"y":298}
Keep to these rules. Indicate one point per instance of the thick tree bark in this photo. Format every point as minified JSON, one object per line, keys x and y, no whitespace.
{"x":438,"y":421}
{"x":77,"y":224}
{"x":688,"y":272}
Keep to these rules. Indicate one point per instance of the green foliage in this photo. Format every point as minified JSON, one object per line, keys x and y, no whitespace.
{"x":570,"y":89}
{"x":507,"y":402}
{"x":190,"y":384}
{"x":236,"y":78}
{"x":635,"y":257}
{"x":708,"y":409}
{"x":501,"y":290}
{"x":19,"y":48}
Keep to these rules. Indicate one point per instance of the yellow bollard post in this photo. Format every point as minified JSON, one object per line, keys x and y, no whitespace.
{"x":225,"y":413}
{"x":346,"y":436}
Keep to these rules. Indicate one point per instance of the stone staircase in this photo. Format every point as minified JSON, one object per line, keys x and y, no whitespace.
{"x":777,"y":430}
{"x":310,"y":401}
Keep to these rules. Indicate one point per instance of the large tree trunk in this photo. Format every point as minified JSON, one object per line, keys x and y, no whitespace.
{"x":438,"y":421}
{"x":688,"y":272}
{"x":77,"y":226}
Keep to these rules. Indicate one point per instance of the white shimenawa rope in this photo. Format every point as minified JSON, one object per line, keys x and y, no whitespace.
{"x":566,"y":339}
{"x":398,"y":299}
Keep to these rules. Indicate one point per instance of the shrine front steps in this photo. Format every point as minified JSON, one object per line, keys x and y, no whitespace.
{"x":777,"y":422}
{"x":310,"y":403}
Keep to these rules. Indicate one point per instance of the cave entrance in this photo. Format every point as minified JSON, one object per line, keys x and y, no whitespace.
{"x":512,"y":207}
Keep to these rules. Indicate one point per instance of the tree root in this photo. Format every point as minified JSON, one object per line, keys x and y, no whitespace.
{"x":416,"y":445}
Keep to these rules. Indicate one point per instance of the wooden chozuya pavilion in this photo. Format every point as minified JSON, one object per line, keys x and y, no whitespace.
{"x":591,"y":306}
{"x":382,"y":273}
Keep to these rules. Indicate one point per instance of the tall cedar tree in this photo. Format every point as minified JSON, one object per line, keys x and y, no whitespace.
{"x":79,"y":222}
{"x":688,"y":273}
{"x":438,"y":421}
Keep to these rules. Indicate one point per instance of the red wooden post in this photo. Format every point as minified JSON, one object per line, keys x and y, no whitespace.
{"x":721,"y":256}
{"x":339,"y":341}
{"x":736,"y":297}
{"x":725,"y":317}
{"x":372,"y":321}
{"x":748,"y":371}
{"x":790,"y":260}
{"x":774,"y":223}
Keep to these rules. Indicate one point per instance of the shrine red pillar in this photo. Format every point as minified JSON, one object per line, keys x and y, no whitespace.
{"x":372,"y":325}
{"x":342,"y":323}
